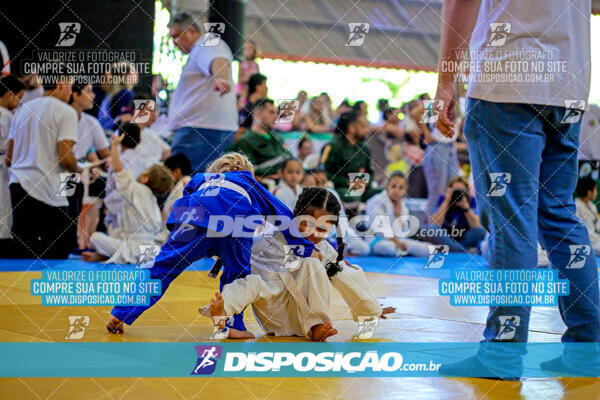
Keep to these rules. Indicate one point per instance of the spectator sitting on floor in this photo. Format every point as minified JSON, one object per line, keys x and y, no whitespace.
{"x":455,"y":223}
{"x":305,"y":148}
{"x":132,"y":161}
{"x":355,"y":244}
{"x":289,"y":187}
{"x":317,"y":120}
{"x":141,"y":221}
{"x":348,"y":154}
{"x":390,"y":204}
{"x":587,"y":190}
{"x":257,"y":89}
{"x":396,"y":160}
{"x":116,"y":107}
{"x":263,"y":147}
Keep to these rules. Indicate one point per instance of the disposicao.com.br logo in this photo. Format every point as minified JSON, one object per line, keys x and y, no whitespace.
{"x":317,"y":363}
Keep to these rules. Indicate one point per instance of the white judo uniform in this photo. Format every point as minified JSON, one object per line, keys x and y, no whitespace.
{"x":287,"y":194}
{"x":290,"y":294}
{"x":140,"y":222}
{"x":381,"y":205}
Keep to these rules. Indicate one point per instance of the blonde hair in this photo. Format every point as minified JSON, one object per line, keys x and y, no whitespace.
{"x":230,"y":162}
{"x":160,"y":180}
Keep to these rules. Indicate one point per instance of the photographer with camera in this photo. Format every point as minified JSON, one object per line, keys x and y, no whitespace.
{"x":455,"y":223}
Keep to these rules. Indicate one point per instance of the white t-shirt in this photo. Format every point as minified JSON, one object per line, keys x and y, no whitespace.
{"x":89,"y":133}
{"x":36,"y":129}
{"x":547,"y":35}
{"x":152,"y":146}
{"x":195,"y":102}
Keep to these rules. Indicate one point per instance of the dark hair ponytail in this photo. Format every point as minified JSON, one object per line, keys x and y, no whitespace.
{"x":319,"y":198}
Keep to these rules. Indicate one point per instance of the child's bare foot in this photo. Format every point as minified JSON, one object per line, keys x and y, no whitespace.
{"x":217,"y":308}
{"x":92,"y":256}
{"x":321,"y":332}
{"x":237,"y":334}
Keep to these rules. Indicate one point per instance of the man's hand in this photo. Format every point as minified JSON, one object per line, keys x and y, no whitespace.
{"x":446,"y":93}
{"x":115,"y":325}
{"x":222,"y":86}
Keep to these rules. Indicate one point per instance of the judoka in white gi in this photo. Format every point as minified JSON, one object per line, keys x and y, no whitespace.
{"x":140,"y":221}
{"x":390,"y":204}
{"x":289,"y":294}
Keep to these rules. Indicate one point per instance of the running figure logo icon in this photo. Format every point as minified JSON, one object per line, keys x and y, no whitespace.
{"x":142,"y":110}
{"x":186,"y":226}
{"x":499,"y":32}
{"x":213,"y":30}
{"x":508,"y":326}
{"x":68,"y":183}
{"x":207,"y":359}
{"x":287,"y":110}
{"x":574,"y":111}
{"x":77,"y":326}
{"x":358,"y":33}
{"x":437,"y":256}
{"x":68,"y":33}
{"x":579,"y":254}
{"x":292,"y":257}
{"x":366,"y":327}
{"x":357,"y":183}
{"x":148,"y":253}
{"x":498,"y":183}
{"x":212,"y":184}
{"x":220,"y":328}
{"x":432,"y":111}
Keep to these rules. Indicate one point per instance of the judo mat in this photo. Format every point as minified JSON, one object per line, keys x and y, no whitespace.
{"x":422,"y":316}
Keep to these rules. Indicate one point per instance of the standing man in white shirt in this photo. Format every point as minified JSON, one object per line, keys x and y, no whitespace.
{"x":40,"y":148}
{"x":522,"y":127}
{"x":202,"y":109}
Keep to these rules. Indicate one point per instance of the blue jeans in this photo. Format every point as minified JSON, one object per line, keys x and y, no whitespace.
{"x":201,"y":146}
{"x":440,"y":165}
{"x":530,"y":143}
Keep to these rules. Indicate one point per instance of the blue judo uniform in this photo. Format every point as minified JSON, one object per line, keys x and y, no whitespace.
{"x":200,"y":226}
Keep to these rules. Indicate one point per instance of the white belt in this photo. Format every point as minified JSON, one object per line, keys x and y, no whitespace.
{"x":227,"y":185}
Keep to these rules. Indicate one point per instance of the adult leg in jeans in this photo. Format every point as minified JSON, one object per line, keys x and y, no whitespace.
{"x":507,"y":138}
{"x":561,"y":232}
{"x":201,"y":146}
